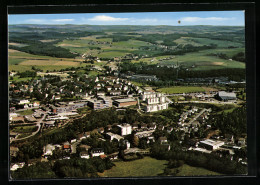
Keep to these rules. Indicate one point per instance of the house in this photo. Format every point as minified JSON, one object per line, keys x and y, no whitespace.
{"x":16,"y":166}
{"x":163,"y":140}
{"x":96,"y":152}
{"x":135,"y":126}
{"x":144,"y":126}
{"x":115,"y":93}
{"x":85,"y":147}
{"x":13,"y":151}
{"x":47,"y":150}
{"x":101,"y":93}
{"x":67,"y":147}
{"x":152,"y":126}
{"x":241,"y":141}
{"x":84,"y":155}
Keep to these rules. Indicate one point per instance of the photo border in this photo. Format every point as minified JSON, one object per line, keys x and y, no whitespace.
{"x":253,"y":166}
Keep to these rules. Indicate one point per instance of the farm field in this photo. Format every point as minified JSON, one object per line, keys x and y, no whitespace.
{"x":143,"y":167}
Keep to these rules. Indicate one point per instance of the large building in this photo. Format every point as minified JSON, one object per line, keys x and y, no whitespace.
{"x":225,"y":96}
{"x":125,"y":102}
{"x":155,"y":101}
{"x":211,"y":144}
{"x":100,"y":103}
{"x":126,"y":129}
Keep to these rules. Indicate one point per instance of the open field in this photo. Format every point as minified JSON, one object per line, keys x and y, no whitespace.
{"x":181,"y":89}
{"x":187,"y":170}
{"x":26,"y":112}
{"x":24,"y":129}
{"x":143,"y":167}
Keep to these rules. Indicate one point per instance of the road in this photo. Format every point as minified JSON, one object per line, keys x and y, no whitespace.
{"x":38,"y":123}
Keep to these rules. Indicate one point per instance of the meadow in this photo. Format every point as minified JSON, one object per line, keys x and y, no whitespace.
{"x":145,"y":167}
{"x":181,"y":89}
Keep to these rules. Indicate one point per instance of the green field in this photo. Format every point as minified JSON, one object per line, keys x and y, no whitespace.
{"x":181,"y":89}
{"x":187,"y":170}
{"x":26,"y":112}
{"x":143,"y":167}
{"x":24,"y":129}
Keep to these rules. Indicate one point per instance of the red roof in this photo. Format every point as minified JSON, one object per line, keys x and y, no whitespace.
{"x":102,"y":156}
{"x":66,"y":146}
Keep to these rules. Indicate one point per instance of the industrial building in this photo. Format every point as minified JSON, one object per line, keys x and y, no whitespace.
{"x":225,"y":96}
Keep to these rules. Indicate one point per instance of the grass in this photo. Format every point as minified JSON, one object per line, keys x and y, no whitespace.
{"x":186,"y":170}
{"x":181,"y":89}
{"x":143,"y":167}
{"x":26,"y":112}
{"x":18,"y":79}
{"x":25,"y":129}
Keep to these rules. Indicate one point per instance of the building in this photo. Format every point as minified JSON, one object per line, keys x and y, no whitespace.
{"x":125,"y":102}
{"x":126,"y":129}
{"x":225,"y":96}
{"x":155,"y":101}
{"x":96,"y":152}
{"x":84,"y":155}
{"x":115,"y":93}
{"x":112,"y":136}
{"x":48,"y":149}
{"x":211,"y":144}
{"x":100,"y":103}
{"x":144,"y":77}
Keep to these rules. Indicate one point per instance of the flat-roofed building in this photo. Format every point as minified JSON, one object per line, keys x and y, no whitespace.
{"x":125,"y":102}
{"x":112,"y":136}
{"x":211,"y":144}
{"x":225,"y":96}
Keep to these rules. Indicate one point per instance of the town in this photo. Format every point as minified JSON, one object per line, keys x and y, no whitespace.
{"x":102,"y":101}
{"x":111,"y":92}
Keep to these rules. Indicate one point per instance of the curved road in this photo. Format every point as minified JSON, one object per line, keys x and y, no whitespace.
{"x":38,"y":123}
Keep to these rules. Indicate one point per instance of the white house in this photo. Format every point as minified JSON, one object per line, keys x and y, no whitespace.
{"x":96,"y":152}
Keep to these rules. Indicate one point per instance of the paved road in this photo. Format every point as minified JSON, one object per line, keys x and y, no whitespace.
{"x":38,"y":123}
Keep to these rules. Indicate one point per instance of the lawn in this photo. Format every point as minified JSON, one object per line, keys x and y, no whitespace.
{"x":187,"y":170}
{"x":181,"y":89}
{"x":26,"y":112}
{"x":24,"y":129}
{"x":143,"y":167}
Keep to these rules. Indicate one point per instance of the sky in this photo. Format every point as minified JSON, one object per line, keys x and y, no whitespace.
{"x":226,"y":18}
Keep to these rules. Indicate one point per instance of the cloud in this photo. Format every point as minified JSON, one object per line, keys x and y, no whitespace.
{"x":35,"y":20}
{"x":62,"y":20}
{"x":202,"y":19}
{"x":107,"y":18}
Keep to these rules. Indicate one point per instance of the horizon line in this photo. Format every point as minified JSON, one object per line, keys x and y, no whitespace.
{"x":122,"y":25}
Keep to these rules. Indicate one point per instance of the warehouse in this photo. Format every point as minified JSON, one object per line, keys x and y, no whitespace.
{"x":225,"y":96}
